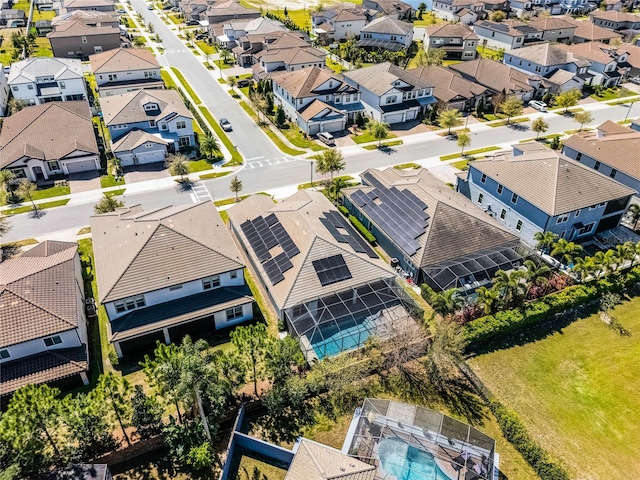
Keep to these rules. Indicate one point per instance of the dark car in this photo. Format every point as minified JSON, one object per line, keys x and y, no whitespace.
{"x":226,"y":125}
{"x":192,"y":23}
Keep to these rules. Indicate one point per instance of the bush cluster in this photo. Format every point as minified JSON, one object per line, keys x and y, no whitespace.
{"x":365,"y":233}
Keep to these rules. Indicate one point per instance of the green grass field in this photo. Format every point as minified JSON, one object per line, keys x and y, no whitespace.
{"x":577,"y":391}
{"x":366,"y":137}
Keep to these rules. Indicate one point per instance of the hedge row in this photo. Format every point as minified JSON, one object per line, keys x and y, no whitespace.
{"x":500,"y":323}
{"x":365,"y":233}
{"x":516,"y":433}
{"x":343,"y":209}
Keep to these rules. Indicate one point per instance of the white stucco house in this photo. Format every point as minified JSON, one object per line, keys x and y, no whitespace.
{"x":386,"y":33}
{"x":123,"y":70}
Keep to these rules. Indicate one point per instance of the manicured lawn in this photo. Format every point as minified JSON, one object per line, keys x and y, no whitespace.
{"x":486,"y":52}
{"x":223,"y":65}
{"x":175,"y":18}
{"x":42,"y":193}
{"x":115,"y":193}
{"x":207,"y":176}
{"x":167,"y":79}
{"x":28,"y":207}
{"x":384,"y":144}
{"x":107,"y":181}
{"x":301,"y":17}
{"x":206,"y":48}
{"x":451,"y":156}
{"x":407,"y":166}
{"x":296,"y":137}
{"x":577,"y":391}
{"x":512,"y":120}
{"x":186,"y":86}
{"x":461,"y":165}
{"x":274,"y":138}
{"x":366,"y":137}
{"x":200,"y":165}
{"x":236,"y":158}
{"x":427,"y":20}
{"x":612,"y":94}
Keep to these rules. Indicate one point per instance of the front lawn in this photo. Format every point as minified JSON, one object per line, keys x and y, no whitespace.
{"x":201,"y":165}
{"x":576,"y":388}
{"x":107,"y":181}
{"x":27,"y":207}
{"x":41,"y":193}
{"x":366,"y":137}
{"x":612,"y":94}
{"x":297,"y":138}
{"x":468,"y":153}
{"x":206,"y":48}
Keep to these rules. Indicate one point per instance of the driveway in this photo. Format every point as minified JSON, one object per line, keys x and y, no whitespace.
{"x":141,"y":173}
{"x":84,"y":181}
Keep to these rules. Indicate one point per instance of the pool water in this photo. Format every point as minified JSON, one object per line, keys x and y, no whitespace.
{"x":405,"y":462}
{"x":339,"y":341}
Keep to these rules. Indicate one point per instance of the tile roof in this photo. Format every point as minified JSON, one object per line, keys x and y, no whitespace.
{"x":615,"y":16}
{"x":388,"y":26}
{"x":88,"y":17}
{"x":449,"y":85}
{"x":134,"y":139}
{"x":88,"y":3}
{"x":129,"y":107}
{"x":592,"y":51}
{"x":379,"y":78}
{"x":303,"y":83}
{"x":49,"y":131}
{"x":560,"y":77}
{"x":551,"y":181}
{"x":26,"y":71}
{"x":72,"y":28}
{"x":192,"y":241}
{"x":229,"y":7}
{"x":451,"y":30}
{"x":512,"y":27}
{"x":293,"y":56}
{"x":551,"y":23}
{"x":611,"y":144}
{"x":456,"y":225}
{"x":314,"y":108}
{"x":39,"y":293}
{"x":300,"y":216}
{"x":546,"y":54}
{"x":314,"y":461}
{"x":591,"y":31}
{"x":42,"y":368}
{"x":123,"y":60}
{"x":494,"y":75}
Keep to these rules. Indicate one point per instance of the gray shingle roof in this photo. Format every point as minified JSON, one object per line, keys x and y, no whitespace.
{"x":129,"y":107}
{"x":191,"y":241}
{"x":60,"y":68}
{"x":379,"y":78}
{"x":314,"y":461}
{"x":389,"y":26}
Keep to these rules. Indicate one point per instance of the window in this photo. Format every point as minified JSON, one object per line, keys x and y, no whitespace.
{"x":152,"y":123}
{"x":562,"y":219}
{"x":519,"y":225}
{"x":175,"y":287}
{"x":579,"y":156}
{"x":4,"y":354}
{"x":596,"y":166}
{"x":514,"y":198}
{"x":503,"y":214}
{"x":51,"y":341}
{"x":392,"y":99}
{"x":613,"y":173}
{"x":112,"y":77}
{"x":586,"y":229}
{"x":578,"y":213}
{"x":480,"y":197}
{"x":184,"y":141}
{"x":130,"y":303}
{"x":62,"y":85}
{"x":148,"y":107}
{"x":233,"y":274}
{"x":233,"y":313}
{"x":53,"y":165}
{"x":211,"y":282}
{"x":483,"y":178}
{"x":30,"y":87}
{"x":499,"y":190}
{"x":181,"y":124}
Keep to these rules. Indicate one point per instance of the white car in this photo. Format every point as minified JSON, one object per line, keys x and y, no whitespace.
{"x":541,"y":106}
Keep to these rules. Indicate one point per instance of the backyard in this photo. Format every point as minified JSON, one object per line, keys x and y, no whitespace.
{"x":576,"y":390}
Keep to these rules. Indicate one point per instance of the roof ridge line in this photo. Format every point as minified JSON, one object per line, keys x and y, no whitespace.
{"x":304,"y":261}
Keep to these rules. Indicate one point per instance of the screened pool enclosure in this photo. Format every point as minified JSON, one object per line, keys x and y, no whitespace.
{"x":345,"y":319}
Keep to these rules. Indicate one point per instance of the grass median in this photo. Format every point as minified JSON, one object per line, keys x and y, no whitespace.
{"x":29,"y":208}
{"x":186,"y":86}
{"x":236,"y":158}
{"x":469,"y":153}
{"x":270,"y":133}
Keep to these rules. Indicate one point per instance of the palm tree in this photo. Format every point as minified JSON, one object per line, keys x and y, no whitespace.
{"x":488,"y":299}
{"x":634,"y":213}
{"x":585,"y":267}
{"x":566,"y":250}
{"x":510,"y":285}
{"x":604,"y":260}
{"x":545,"y":240}
{"x":623,"y":253}
{"x":336,"y":187}
{"x":330,"y":161}
{"x":447,"y":303}
{"x":536,"y":275}
{"x":209,"y":145}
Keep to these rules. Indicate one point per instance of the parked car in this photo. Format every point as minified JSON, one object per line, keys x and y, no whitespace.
{"x":150,"y":7}
{"x":326,"y":138}
{"x":538,"y":105}
{"x":226,"y":125}
{"x":635,"y":80}
{"x":192,"y":23}
{"x":121,"y":10}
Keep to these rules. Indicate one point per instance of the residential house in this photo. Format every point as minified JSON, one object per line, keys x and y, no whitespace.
{"x":535,"y":189}
{"x":456,"y":39}
{"x":89,"y":5}
{"x":608,"y":64}
{"x":615,"y":20}
{"x":386,"y":33}
{"x":89,"y":18}
{"x":611,"y":149}
{"x":48,"y":140}
{"x":44,"y":5}
{"x":74,"y":39}
{"x":508,"y":34}
{"x":147,"y":124}
{"x":490,"y":6}
{"x":451,"y":89}
{"x":288,"y":52}
{"x":234,"y":33}
{"x":590,"y":32}
{"x":12,"y":18}
{"x":194,"y":10}
{"x":43,"y":338}
{"x":391,"y":94}
{"x":124,"y":70}
{"x":226,"y":10}
{"x":249,"y":47}
{"x":554,"y":29}
{"x":436,"y":236}
{"x":560,"y":68}
{"x":463,"y":11}
{"x":43,"y":27}
{"x":391,"y":8}
{"x":521,"y":8}
{"x":4,"y":92}
{"x":547,"y":7}
{"x":500,"y":78}
{"x":633,"y":59}
{"x":324,"y":281}
{"x":635,"y":125}
{"x":339,"y":22}
{"x":197,"y":287}
{"x":316,"y":99}
{"x":40,"y":80}
{"x":577,"y":7}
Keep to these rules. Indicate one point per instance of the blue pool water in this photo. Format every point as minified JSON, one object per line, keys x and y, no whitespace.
{"x":339,"y":340}
{"x":408,"y":463}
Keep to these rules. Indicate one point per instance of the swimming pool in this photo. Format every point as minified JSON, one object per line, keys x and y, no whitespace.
{"x":405,"y":462}
{"x":333,"y":340}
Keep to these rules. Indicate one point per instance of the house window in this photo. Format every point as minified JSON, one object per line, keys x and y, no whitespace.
{"x":4,"y":354}
{"x":53,"y":165}
{"x":562,"y":219}
{"x":503,"y":214}
{"x":586,"y":229}
{"x":499,"y":189}
{"x":51,"y":341}
{"x":519,"y":225}
{"x":15,"y":88}
{"x":480,"y":197}
{"x":181,"y":124}
{"x":130,"y":303}
{"x":175,"y":287}
{"x":211,"y":282}
{"x":30,"y":87}
{"x":152,"y":123}
{"x":483,"y":178}
{"x":113,"y":77}
{"x":233,"y":313}
{"x":514,"y":198}
{"x":596,"y":166}
{"x":150,"y":107}
{"x":392,"y":99}
{"x":579,"y":156}
{"x":233,"y":274}
{"x":184,"y":141}
{"x":613,"y":173}
{"x":62,"y":85}
{"x":578,"y":213}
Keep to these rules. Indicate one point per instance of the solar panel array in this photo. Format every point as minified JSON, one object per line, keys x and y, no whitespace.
{"x":265,"y":233}
{"x":398,"y":213}
{"x":334,"y":220}
{"x":331,"y":269}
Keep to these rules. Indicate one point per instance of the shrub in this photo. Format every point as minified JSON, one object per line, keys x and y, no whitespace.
{"x":360,"y":227}
{"x":343,"y":209}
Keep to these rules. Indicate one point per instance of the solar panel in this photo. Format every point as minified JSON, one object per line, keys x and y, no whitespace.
{"x":273,"y":271}
{"x":271,"y":219}
{"x":265,"y":233}
{"x":331,"y":270}
{"x":255,"y":241}
{"x":335,"y":220}
{"x":283,"y":262}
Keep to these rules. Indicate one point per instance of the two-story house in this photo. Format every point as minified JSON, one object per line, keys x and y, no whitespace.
{"x":611,"y":149}
{"x":43,"y":338}
{"x":147,"y":124}
{"x":74,"y":39}
{"x":463,"y":11}
{"x":458,"y":40}
{"x":391,"y":94}
{"x":386,"y":33}
{"x":227,"y":10}
{"x":614,"y":20}
{"x":535,"y":189}
{"x":554,"y":29}
{"x":436,"y":236}
{"x":608,"y":64}
{"x":40,"y":80}
{"x":232,"y":34}
{"x":577,"y":7}
{"x":391,"y":8}
{"x":339,"y":22}
{"x":4,"y":91}
{"x":590,"y":32}
{"x":166,"y":272}
{"x":249,"y":47}
{"x":288,"y":52}
{"x":124,"y":70}
{"x":92,"y":5}
{"x":49,"y":140}
{"x":507,"y":35}
{"x":451,"y":89}
{"x":316,"y":99}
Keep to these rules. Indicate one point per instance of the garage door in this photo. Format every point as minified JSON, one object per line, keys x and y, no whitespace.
{"x":151,"y":157}
{"x":81,"y":166}
{"x":393,"y":118}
